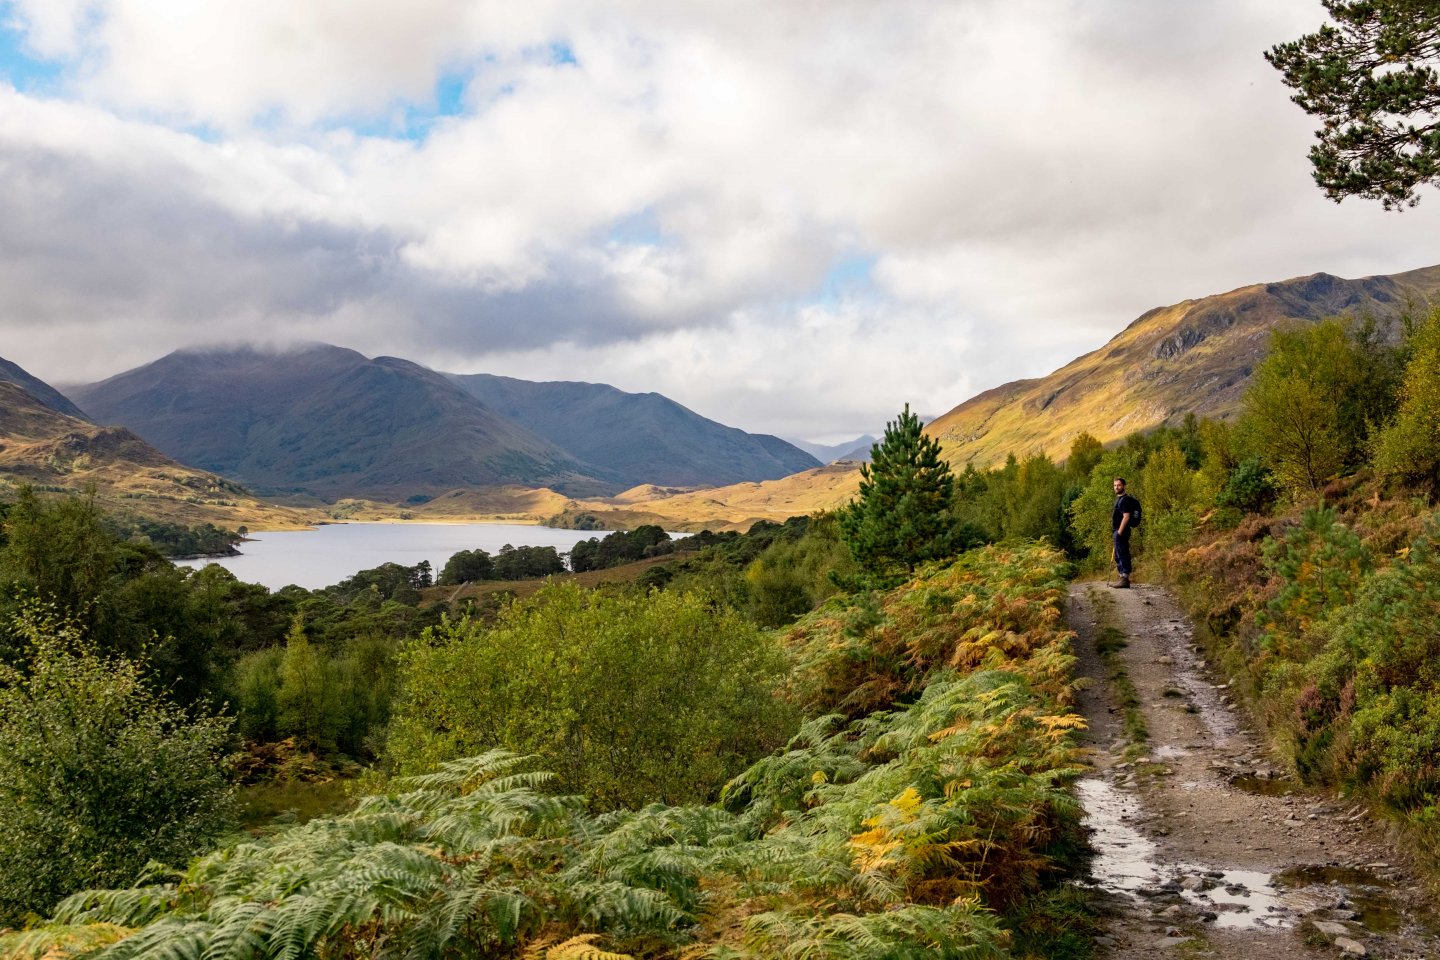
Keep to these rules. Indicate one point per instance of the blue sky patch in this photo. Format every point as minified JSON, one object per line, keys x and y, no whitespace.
{"x":561,"y":54}
{"x":848,"y":276}
{"x":26,"y":73}
{"x":637,"y":229}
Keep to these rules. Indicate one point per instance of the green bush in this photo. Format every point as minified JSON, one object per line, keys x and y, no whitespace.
{"x":629,"y":699}
{"x":1381,"y":667}
{"x":325,"y":700}
{"x":98,"y":774}
{"x":793,"y":577}
{"x":1408,"y":448}
{"x":1249,"y":487}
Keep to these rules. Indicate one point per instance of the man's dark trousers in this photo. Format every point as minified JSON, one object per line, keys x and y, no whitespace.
{"x":1122,"y":553}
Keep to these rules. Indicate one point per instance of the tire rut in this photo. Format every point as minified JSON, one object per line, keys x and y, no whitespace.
{"x":1202,"y":845}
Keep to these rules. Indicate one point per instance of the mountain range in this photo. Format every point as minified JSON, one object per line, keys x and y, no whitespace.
{"x":331,"y":422}
{"x":857,"y":449}
{"x":334,"y":423}
{"x":326,"y":421}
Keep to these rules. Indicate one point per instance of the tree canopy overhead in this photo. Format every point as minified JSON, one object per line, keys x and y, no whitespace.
{"x":1371,"y":77}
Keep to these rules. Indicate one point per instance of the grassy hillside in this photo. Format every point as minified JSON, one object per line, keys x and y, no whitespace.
{"x":51,"y":451}
{"x":1192,"y":357}
{"x":637,"y":437}
{"x":330,"y":422}
{"x":735,"y":507}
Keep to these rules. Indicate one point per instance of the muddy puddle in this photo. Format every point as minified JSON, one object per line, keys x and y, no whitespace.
{"x":1353,"y":894}
{"x":1264,"y":786}
{"x":1126,"y":863}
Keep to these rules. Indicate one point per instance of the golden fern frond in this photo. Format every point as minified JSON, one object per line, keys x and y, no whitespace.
{"x":581,"y":947}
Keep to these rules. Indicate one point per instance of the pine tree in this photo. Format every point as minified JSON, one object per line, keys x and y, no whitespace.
{"x":902,"y":516}
{"x":1371,"y":78}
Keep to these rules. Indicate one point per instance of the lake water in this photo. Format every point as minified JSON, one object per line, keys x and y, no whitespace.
{"x":330,"y":553}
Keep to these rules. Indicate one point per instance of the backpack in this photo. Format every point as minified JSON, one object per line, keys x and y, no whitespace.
{"x":1135,"y":515}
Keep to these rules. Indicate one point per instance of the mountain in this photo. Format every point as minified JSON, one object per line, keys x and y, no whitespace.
{"x":39,"y":389}
{"x":51,"y":450}
{"x":1192,"y":357}
{"x":860,"y":453}
{"x":857,"y":449}
{"x":331,"y":422}
{"x":639,"y":438}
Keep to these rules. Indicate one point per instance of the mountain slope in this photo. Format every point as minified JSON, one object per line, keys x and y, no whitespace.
{"x":47,"y":449}
{"x":329,"y":421}
{"x":1192,"y":357}
{"x":637,"y":437}
{"x":39,"y":389}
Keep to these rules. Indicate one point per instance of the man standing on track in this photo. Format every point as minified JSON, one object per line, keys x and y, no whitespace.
{"x":1123,"y":518}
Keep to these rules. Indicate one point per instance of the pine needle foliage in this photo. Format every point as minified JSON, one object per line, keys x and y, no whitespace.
{"x":901,"y":828}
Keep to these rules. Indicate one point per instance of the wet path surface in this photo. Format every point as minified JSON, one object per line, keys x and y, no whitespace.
{"x":1202,"y":847}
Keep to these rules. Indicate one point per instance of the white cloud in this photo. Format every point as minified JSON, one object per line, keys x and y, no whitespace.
{"x":1028,"y":176}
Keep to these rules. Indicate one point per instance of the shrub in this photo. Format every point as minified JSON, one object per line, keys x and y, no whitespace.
{"x":629,"y":699}
{"x":1408,"y":448}
{"x":905,"y":834}
{"x":1249,"y":487}
{"x":98,"y":774}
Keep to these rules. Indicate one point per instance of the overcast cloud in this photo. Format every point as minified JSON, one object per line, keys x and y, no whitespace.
{"x":791,"y":216}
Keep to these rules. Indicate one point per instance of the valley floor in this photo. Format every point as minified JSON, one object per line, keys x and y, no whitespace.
{"x":1203,"y":848}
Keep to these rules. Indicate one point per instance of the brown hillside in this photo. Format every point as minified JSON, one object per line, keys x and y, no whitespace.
{"x":52,"y":451}
{"x":735,"y":507}
{"x":1193,"y":357}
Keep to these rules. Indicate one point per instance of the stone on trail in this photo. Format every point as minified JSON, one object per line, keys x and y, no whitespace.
{"x":1331,"y":929}
{"x":1351,"y":948}
{"x":1165,"y":943}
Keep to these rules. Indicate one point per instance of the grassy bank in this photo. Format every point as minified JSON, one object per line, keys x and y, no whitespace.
{"x":1327,"y":617}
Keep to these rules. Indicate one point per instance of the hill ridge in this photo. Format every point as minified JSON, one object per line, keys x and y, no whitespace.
{"x":637,"y":437}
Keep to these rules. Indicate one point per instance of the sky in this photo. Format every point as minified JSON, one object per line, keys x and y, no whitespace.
{"x":792,"y":216}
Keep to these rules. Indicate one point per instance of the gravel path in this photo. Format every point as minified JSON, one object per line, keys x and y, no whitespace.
{"x":1203,"y":848}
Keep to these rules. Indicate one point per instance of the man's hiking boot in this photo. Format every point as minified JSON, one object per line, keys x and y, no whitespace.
{"x":1124,"y":583}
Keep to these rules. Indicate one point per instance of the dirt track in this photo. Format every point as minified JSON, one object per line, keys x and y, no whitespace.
{"x":1204,"y":849}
